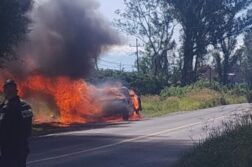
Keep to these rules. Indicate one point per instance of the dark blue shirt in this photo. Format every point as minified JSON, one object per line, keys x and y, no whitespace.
{"x":15,"y":123}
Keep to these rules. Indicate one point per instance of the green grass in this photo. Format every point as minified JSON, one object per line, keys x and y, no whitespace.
{"x":231,"y":147}
{"x":194,"y":99}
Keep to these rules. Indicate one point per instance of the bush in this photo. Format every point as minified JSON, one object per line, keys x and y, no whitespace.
{"x":192,"y":100}
{"x":198,"y":96}
{"x":230,"y":146}
{"x":175,"y":91}
{"x":249,"y":96}
{"x":239,"y":90}
{"x":144,"y":84}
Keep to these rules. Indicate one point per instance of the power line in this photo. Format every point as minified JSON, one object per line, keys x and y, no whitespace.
{"x":109,"y":62}
{"x":106,"y":65}
{"x":115,"y":63}
{"x":120,"y":67}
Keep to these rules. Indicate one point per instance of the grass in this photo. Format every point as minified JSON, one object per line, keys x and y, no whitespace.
{"x":197,"y":98}
{"x":230,"y":147}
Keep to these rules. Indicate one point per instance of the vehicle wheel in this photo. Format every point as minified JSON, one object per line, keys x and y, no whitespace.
{"x":125,"y":117}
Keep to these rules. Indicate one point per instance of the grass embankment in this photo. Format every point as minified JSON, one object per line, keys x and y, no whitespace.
{"x":231,"y":147}
{"x":189,"y":98}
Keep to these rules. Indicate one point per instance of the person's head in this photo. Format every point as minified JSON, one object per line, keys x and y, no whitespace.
{"x":10,"y":89}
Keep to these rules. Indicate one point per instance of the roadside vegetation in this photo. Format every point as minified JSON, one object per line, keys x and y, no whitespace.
{"x":200,"y":95}
{"x":159,"y":98}
{"x":229,"y":147}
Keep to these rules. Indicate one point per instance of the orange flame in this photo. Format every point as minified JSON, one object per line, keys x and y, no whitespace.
{"x":74,"y":99}
{"x":134,"y":99}
{"x":136,"y":104}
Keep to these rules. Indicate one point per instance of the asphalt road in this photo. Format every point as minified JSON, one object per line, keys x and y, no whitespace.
{"x":154,"y":142}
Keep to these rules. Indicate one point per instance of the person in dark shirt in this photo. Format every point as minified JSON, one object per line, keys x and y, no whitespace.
{"x":15,"y":127}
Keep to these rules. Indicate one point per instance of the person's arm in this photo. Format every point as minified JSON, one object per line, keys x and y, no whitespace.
{"x":1,"y":129}
{"x":1,"y":120}
{"x":26,"y":123}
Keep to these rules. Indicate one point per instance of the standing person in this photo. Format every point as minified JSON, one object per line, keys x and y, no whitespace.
{"x":15,"y":127}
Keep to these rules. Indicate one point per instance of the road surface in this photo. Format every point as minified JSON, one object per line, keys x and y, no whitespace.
{"x":154,"y":142}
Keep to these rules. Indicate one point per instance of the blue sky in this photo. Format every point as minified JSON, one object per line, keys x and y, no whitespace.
{"x":121,"y":56}
{"x":107,"y":7}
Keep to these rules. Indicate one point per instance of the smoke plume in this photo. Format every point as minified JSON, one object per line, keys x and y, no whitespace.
{"x":66,"y":38}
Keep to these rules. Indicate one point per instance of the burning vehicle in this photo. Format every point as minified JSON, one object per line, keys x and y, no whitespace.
{"x":56,"y":59}
{"x":116,"y":101}
{"x":69,"y":101}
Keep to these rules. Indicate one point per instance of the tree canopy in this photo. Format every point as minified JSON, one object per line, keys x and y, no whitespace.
{"x":206,"y":23}
{"x":152,"y":22}
{"x":207,"y":27}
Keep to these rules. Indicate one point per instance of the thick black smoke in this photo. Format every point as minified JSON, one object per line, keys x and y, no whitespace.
{"x":66,"y":38}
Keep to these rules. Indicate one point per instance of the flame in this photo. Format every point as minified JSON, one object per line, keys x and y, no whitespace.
{"x":74,"y":99}
{"x":134,"y":99}
{"x":136,"y":104}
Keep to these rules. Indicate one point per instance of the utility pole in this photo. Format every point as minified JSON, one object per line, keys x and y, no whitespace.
{"x":137,"y":54}
{"x":120,"y":67}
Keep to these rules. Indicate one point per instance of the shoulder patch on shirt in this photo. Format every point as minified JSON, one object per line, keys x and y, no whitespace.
{"x":24,"y":105}
{"x":5,"y":106}
{"x":26,"y":109}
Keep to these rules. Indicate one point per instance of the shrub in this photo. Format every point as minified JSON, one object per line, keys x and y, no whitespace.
{"x":175,"y":91}
{"x":145,"y":84}
{"x":239,"y":90}
{"x":249,"y":96}
{"x":229,"y":146}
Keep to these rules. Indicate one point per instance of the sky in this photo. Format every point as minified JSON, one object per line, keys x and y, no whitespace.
{"x":119,"y":57}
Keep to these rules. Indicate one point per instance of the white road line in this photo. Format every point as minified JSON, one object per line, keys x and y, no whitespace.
{"x":121,"y":142}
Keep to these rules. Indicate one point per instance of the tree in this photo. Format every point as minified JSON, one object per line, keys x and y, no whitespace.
{"x":14,"y":24}
{"x":152,"y":22}
{"x":226,"y":57}
{"x":247,"y":59}
{"x":205,"y":23}
{"x":193,"y":17}
{"x":224,"y":38}
{"x":145,"y":65}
